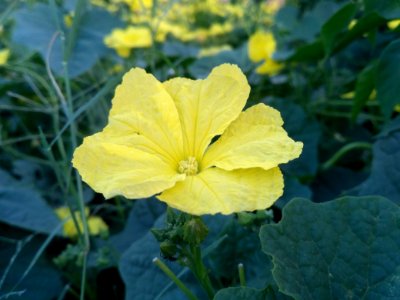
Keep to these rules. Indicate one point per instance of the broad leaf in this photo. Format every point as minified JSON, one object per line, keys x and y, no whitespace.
{"x":387,"y":78}
{"x":336,"y":24}
{"x":389,"y":9}
{"x":24,"y":207}
{"x":385,"y":171}
{"x":36,"y":27}
{"x":246,"y":293}
{"x":346,"y":248}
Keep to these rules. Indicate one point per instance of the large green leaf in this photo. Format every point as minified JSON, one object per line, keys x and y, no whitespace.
{"x":385,"y":172}
{"x":36,"y":26}
{"x":389,"y":9}
{"x":302,"y":128}
{"x":202,"y":67}
{"x":343,"y":249}
{"x":144,"y":280}
{"x":387,"y":78}
{"x":336,"y":24}
{"x":364,"y":87}
{"x":246,"y":293}
{"x":24,"y":207}
{"x":43,"y":281}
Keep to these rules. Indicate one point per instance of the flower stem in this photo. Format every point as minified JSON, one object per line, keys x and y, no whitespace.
{"x":173,"y":277}
{"x":242,"y":277}
{"x":200,"y":271}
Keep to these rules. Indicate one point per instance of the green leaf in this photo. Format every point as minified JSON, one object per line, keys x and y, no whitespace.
{"x":36,"y":26}
{"x":293,"y":189}
{"x":246,"y":293}
{"x":389,"y":9}
{"x":300,"y":127}
{"x":24,"y":207}
{"x":385,"y":171}
{"x":387,"y":78}
{"x":336,"y":24}
{"x":364,"y":87}
{"x":144,"y":280}
{"x":202,"y":67}
{"x":42,"y":282}
{"x":343,"y":249}
{"x":141,"y":218}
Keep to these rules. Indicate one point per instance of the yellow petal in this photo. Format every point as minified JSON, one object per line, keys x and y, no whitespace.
{"x":113,"y":168}
{"x":270,"y":67}
{"x":206,"y":107}
{"x":261,"y":46}
{"x":255,"y":139}
{"x":144,"y":107}
{"x":218,"y":191}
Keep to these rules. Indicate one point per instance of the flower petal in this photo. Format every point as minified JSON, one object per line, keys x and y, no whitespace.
{"x":218,"y":191}
{"x":255,"y":139}
{"x":207,"y":107}
{"x":111,"y":166}
{"x":142,"y":104}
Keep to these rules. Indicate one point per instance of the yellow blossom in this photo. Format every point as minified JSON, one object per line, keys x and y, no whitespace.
{"x":158,"y":142}
{"x":123,"y":40}
{"x":139,"y":5}
{"x":214,"y":50}
{"x":393,"y":24}
{"x":262,"y":46}
{"x":96,"y":224}
{"x":4,"y":55}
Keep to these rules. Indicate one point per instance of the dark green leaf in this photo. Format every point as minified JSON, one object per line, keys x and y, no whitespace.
{"x":141,"y":218}
{"x":24,"y":207}
{"x":342,"y":249}
{"x":387,"y":78}
{"x":246,"y":293}
{"x":389,"y":9}
{"x":202,"y":67}
{"x":36,"y":26}
{"x":300,"y":128}
{"x":385,"y":172}
{"x":42,"y":282}
{"x":293,"y":189}
{"x":364,"y":87}
{"x":336,"y":24}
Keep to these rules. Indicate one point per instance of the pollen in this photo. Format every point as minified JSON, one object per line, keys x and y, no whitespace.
{"x":189,"y":166}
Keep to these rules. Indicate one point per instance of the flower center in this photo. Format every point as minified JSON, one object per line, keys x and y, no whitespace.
{"x":189,"y":166}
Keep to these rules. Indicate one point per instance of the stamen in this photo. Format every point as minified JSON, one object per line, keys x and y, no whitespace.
{"x":189,"y":166}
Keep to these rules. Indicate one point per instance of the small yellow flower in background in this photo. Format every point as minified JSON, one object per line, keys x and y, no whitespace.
{"x":213,"y":50}
{"x":393,"y":24}
{"x":139,"y":5}
{"x":4,"y":55}
{"x":262,"y":46}
{"x":158,"y":142}
{"x":124,"y":40}
{"x":352,"y":24}
{"x":68,"y":20}
{"x":96,"y":224}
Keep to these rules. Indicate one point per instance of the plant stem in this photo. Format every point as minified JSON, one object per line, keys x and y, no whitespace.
{"x":242,"y":277}
{"x":175,"y":279}
{"x":200,"y":271}
{"x":342,"y":151}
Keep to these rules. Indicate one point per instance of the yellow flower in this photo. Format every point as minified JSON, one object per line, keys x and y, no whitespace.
{"x":123,"y":40}
{"x":96,"y":224}
{"x":261,"y":47}
{"x":139,"y":5}
{"x":393,"y":24}
{"x":158,"y":142}
{"x":210,"y":51}
{"x":4,"y":55}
